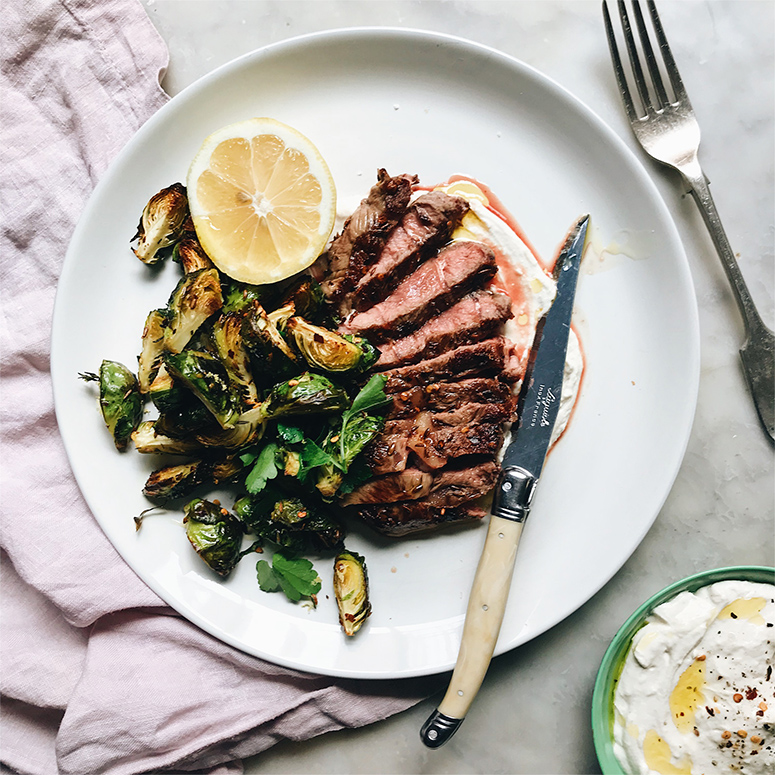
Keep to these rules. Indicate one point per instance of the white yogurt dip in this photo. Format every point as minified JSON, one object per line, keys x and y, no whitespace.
{"x":696,"y":694}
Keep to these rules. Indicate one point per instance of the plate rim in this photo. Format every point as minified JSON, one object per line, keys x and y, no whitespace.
{"x":400,"y":34}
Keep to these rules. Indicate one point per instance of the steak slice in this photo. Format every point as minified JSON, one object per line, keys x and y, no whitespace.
{"x":399,"y":519}
{"x":436,"y":285}
{"x":488,"y":358}
{"x":455,"y":486}
{"x":427,"y":223}
{"x":475,"y":317}
{"x":435,"y":445}
{"x":446,"y":396}
{"x":406,"y":485}
{"x":364,"y":233}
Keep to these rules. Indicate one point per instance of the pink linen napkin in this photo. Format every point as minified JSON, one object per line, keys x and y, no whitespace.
{"x":98,"y":675}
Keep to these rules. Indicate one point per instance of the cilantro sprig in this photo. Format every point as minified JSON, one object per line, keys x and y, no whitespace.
{"x":293,"y":575}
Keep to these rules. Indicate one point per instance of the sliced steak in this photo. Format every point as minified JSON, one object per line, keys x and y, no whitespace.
{"x":477,"y":316}
{"x":425,"y":226}
{"x":433,"y":287}
{"x":399,"y":519}
{"x":364,"y":233}
{"x":409,"y":484}
{"x":446,"y":396}
{"x":486,"y":358}
{"x":455,"y":486}
{"x":434,"y":445}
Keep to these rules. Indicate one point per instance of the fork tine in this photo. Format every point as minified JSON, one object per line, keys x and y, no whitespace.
{"x":656,"y":76}
{"x":637,"y":70}
{"x":621,"y":79}
{"x":672,"y":69}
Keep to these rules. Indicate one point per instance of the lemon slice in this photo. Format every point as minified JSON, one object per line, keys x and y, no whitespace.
{"x":262,"y":200}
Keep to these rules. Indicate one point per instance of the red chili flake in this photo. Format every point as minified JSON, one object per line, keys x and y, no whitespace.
{"x":751,"y":694}
{"x":769,"y":672}
{"x":737,"y":697}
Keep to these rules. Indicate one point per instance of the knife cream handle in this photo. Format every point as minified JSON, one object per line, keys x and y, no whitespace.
{"x":484,"y":616}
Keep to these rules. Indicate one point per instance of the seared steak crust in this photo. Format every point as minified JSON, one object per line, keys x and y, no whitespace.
{"x":400,"y":519}
{"x":446,"y":396}
{"x":433,"y":287}
{"x":477,"y":316}
{"x":427,"y":223}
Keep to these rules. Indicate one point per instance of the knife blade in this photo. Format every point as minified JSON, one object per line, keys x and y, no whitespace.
{"x":523,"y":461}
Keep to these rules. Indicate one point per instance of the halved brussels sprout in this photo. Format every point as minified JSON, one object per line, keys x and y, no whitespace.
{"x":327,"y":350}
{"x":306,"y":394}
{"x":196,"y":297}
{"x":351,"y":588}
{"x":178,"y":480}
{"x":273,"y":358}
{"x":152,"y":348}
{"x":148,"y":439}
{"x":214,"y":533}
{"x":229,"y":344}
{"x":289,"y":522}
{"x":120,"y":400}
{"x":208,"y":379}
{"x":248,"y":428}
{"x":161,"y":224}
{"x":191,"y":255}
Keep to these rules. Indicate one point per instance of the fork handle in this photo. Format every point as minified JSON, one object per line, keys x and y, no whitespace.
{"x":698,"y":184}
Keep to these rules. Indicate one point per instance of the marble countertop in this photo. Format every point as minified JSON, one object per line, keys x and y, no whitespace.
{"x":532,"y":714}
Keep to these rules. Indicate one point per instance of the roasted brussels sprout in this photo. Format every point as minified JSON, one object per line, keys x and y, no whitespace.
{"x":306,"y":394}
{"x":239,"y":297}
{"x":191,"y":255}
{"x":351,"y":588}
{"x":152,"y":348}
{"x":231,"y":350}
{"x":120,"y":400}
{"x":161,"y":224}
{"x":248,"y":428}
{"x":289,"y":522}
{"x":272,"y":355}
{"x":214,"y":533}
{"x":327,"y":350}
{"x":178,"y":480}
{"x":196,"y":297}
{"x":148,"y":439}
{"x":307,"y":297}
{"x":208,"y":379}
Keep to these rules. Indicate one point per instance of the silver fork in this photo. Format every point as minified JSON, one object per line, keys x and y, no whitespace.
{"x":669,"y":133}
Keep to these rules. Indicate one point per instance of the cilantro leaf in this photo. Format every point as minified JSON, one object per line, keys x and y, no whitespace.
{"x":297,"y":573}
{"x":267,"y":578}
{"x":371,"y":395}
{"x":264,"y":469}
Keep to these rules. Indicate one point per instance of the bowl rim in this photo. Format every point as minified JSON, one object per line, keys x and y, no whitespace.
{"x":613,"y":659}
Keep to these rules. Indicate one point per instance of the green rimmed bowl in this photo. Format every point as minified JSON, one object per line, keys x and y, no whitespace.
{"x":613,"y":659}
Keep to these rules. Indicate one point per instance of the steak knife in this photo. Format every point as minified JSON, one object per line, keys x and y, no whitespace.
{"x":538,"y":406}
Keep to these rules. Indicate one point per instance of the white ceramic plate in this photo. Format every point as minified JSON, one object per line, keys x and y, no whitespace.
{"x":433,"y":105}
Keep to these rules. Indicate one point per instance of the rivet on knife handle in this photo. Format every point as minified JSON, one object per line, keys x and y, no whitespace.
{"x":486,"y":605}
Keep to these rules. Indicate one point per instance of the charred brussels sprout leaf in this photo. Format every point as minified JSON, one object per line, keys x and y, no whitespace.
{"x":305,"y":395}
{"x":324,"y":349}
{"x":120,"y":400}
{"x":290,"y":523}
{"x":239,"y":297}
{"x":214,"y":533}
{"x":196,"y":297}
{"x":208,"y":379}
{"x":161,"y":224}
{"x":273,"y":357}
{"x":191,"y":255}
{"x":351,"y":588}
{"x":248,"y":428}
{"x":176,"y":481}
